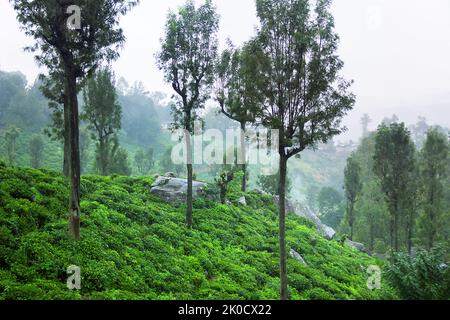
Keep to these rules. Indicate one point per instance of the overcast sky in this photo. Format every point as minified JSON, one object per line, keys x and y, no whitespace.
{"x":397,"y":51}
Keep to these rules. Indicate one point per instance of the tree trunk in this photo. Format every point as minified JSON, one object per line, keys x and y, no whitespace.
{"x":396,"y":217}
{"x":351,"y":220}
{"x":11,"y":153}
{"x":66,"y":163}
{"x":103,"y":157}
{"x":391,"y":229}
{"x":282,"y":217}
{"x":223,"y":194}
{"x":371,"y":236}
{"x":74,"y":204}
{"x":243,"y":158}
{"x":189,"y":219}
{"x":431,"y":214}
{"x":410,"y":231}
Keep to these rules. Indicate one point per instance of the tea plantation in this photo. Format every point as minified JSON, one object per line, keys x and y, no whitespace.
{"x":134,"y":246}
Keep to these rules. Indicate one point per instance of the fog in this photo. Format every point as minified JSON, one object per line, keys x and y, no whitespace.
{"x":397,"y":52}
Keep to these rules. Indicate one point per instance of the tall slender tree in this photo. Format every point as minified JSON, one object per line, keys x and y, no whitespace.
{"x":103,"y":113}
{"x":11,"y":135}
{"x":53,"y":89}
{"x":352,"y":186}
{"x":434,"y":159}
{"x":36,"y":147}
{"x":237,"y":94}
{"x":365,"y":121}
{"x":189,"y":49}
{"x":76,"y":45}
{"x":393,"y":164}
{"x":298,"y":77}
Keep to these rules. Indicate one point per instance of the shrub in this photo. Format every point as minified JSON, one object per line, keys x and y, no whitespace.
{"x":425,"y":276}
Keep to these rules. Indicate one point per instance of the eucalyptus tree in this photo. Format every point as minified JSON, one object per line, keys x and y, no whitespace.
{"x":434,"y":172}
{"x":103,"y":114}
{"x":352,"y":186}
{"x":53,"y":89}
{"x":11,"y":135}
{"x":73,"y":37}
{"x":298,"y":76}
{"x":394,"y":164}
{"x":188,"y":52}
{"x":36,"y":148}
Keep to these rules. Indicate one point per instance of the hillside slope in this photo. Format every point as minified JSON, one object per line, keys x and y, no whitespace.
{"x":136,"y":247}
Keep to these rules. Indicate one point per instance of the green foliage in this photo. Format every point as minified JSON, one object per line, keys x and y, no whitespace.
{"x":331,"y":206}
{"x":236,"y":92}
{"x":167,"y":164}
{"x":269,"y":184}
{"x":424,"y":276}
{"x":352,"y":187}
{"x":11,"y":85}
{"x":103,"y":114}
{"x":144,"y":160}
{"x":395,"y":166}
{"x":119,"y":162}
{"x":133,"y":246}
{"x":10,"y":135}
{"x":434,"y":173}
{"x":36,"y":151}
{"x":187,"y":56}
{"x":225,"y":176}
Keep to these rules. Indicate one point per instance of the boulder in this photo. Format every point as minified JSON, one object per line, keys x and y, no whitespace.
{"x":357,"y":246}
{"x":309,"y":214}
{"x":174,"y":190}
{"x":294,"y":254}
{"x":323,"y":229}
{"x":289,"y":205}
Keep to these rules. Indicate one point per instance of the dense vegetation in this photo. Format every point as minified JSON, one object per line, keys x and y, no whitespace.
{"x":133,"y":246}
{"x":423,"y":197}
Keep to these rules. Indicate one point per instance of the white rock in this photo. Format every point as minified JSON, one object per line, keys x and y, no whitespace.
{"x":174,"y":190}
{"x":294,"y":254}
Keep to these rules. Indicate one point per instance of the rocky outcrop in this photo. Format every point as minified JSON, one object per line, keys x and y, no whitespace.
{"x":357,"y":246}
{"x":309,"y":214}
{"x":306,"y":212}
{"x":295,"y":255}
{"x":174,"y":190}
{"x":289,"y":205}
